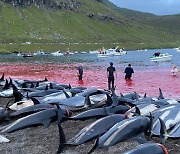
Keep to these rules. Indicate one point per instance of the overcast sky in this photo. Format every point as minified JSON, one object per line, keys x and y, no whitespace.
{"x":158,"y":7}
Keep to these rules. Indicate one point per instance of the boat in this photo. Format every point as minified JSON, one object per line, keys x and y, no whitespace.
{"x":111,"y":52}
{"x":27,"y":55}
{"x":57,"y":53}
{"x":178,"y":49}
{"x":39,"y":53}
{"x":161,"y":57}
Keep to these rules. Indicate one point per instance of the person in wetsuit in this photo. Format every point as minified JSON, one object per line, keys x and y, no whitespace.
{"x":128,"y":71}
{"x":110,"y":75}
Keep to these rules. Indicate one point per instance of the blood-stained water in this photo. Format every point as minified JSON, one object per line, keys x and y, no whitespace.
{"x":148,"y":77}
{"x":143,"y":81}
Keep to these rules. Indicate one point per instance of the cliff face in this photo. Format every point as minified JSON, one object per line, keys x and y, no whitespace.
{"x":56,"y":4}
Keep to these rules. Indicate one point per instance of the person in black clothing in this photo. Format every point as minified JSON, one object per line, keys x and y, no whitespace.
{"x":80,"y":72}
{"x":110,"y":75}
{"x":128,"y":70}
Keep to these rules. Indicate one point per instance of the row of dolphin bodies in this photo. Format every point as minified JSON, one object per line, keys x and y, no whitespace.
{"x":120,"y":117}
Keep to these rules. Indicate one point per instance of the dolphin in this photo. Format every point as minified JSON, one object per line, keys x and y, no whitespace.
{"x":122,"y":131}
{"x":95,"y":129}
{"x":170,"y":117}
{"x":148,"y":148}
{"x":99,"y":112}
{"x":43,"y":117}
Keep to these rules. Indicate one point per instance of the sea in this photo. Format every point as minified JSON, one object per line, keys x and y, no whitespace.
{"x":148,"y":76}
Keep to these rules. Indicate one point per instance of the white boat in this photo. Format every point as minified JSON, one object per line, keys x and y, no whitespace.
{"x":39,"y":53}
{"x":162,"y":57}
{"x":57,"y":53}
{"x":178,"y":49}
{"x":111,"y":52}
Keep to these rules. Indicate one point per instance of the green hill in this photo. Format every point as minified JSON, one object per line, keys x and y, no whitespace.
{"x":83,"y":21}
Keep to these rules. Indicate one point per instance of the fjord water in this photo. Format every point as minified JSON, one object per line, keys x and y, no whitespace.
{"x":148,"y":77}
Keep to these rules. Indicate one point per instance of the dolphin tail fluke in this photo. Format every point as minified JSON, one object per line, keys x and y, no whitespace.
{"x":62,"y":139}
{"x":160,"y":94}
{"x":95,"y":146}
{"x":163,"y":132}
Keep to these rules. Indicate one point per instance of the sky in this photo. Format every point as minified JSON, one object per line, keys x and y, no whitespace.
{"x":157,"y":7}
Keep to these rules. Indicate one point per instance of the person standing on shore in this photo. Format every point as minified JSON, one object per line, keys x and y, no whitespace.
{"x":110,"y":75}
{"x":80,"y":72}
{"x":128,"y":71}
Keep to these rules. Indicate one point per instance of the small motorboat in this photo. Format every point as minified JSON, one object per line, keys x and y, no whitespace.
{"x":111,"y":52}
{"x":178,"y":49}
{"x":27,"y":55}
{"x":161,"y":57}
{"x":39,"y":53}
{"x":57,"y":53}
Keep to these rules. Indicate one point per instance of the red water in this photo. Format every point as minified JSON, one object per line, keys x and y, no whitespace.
{"x":143,"y":81}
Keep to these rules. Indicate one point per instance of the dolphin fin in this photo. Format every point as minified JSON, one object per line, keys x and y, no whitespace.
{"x":14,"y":88}
{"x":145,"y":95}
{"x":95,"y":145}
{"x":37,"y":84}
{"x":32,"y":85}
{"x":2,"y":77}
{"x":6,"y":86}
{"x":18,"y":96}
{"x":35,"y":101}
{"x":51,"y":86}
{"x":70,"y":86}
{"x":23,"y":85}
{"x":46,"y":87}
{"x":62,"y":139}
{"x":163,"y":132}
{"x":160,"y":94}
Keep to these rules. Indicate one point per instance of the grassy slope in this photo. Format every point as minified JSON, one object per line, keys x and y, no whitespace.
{"x":45,"y":25}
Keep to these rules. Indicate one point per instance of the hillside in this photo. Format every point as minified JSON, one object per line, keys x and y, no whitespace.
{"x":80,"y":21}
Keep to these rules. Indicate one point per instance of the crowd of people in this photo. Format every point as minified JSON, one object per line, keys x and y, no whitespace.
{"x":112,"y":74}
